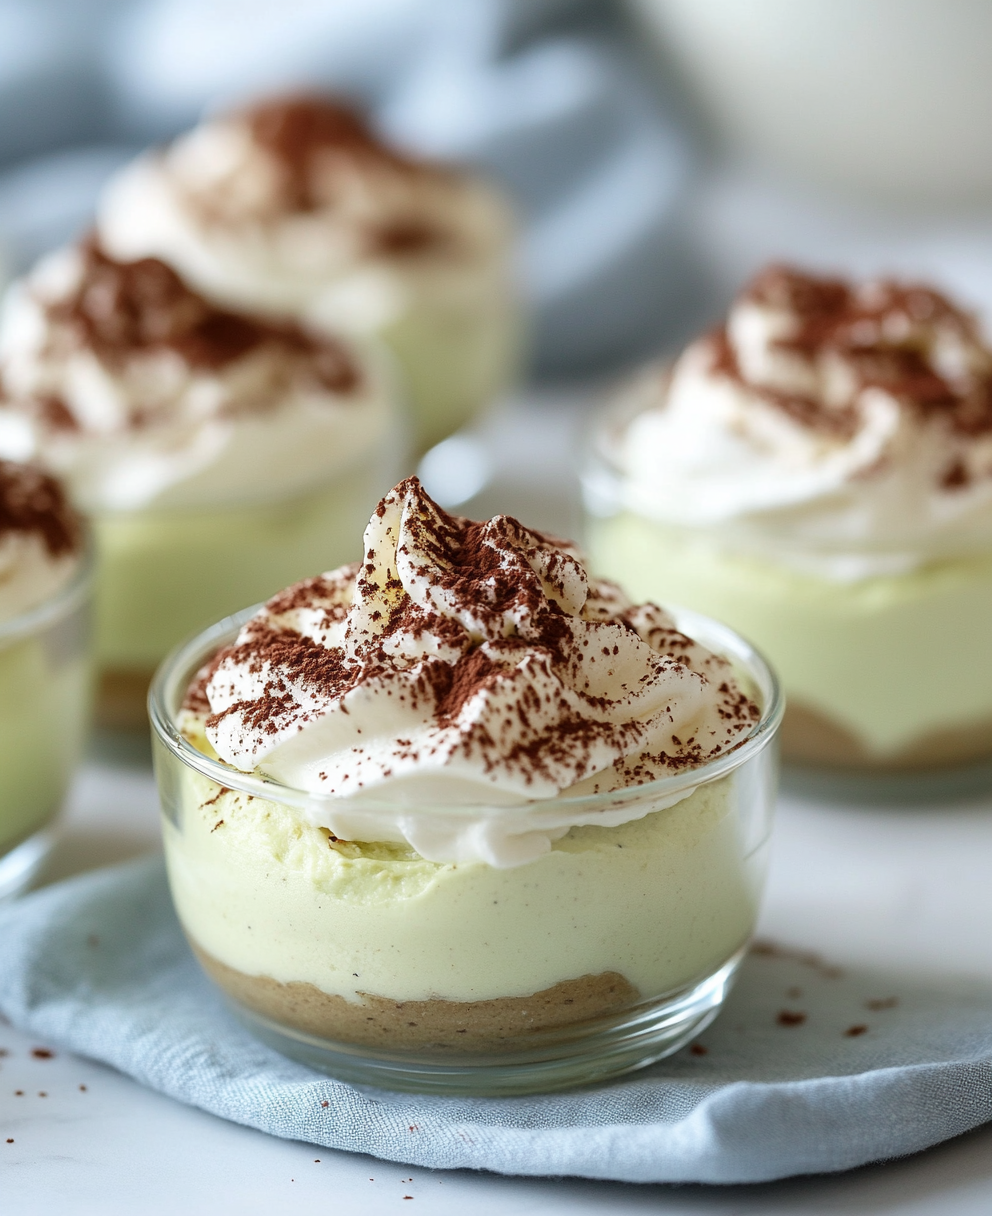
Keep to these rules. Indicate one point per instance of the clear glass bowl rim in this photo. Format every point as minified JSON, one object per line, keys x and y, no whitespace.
{"x":67,"y":598}
{"x":171,"y":679}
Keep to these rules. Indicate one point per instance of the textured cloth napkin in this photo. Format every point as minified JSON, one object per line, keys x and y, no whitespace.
{"x":809,"y":1068}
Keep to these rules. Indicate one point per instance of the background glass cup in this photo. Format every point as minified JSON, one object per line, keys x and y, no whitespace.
{"x":45,"y":697}
{"x":457,"y":354}
{"x":166,"y":573}
{"x":885,"y":674}
{"x":379,"y":967}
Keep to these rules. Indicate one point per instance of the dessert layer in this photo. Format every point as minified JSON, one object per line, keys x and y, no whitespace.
{"x":465,"y":665}
{"x":499,"y":1024}
{"x":44,"y":699}
{"x":662,"y":901}
{"x":122,"y":698}
{"x":809,"y":737}
{"x":135,"y":388}
{"x":165,"y":574}
{"x":840,"y":428}
{"x":890,"y":661}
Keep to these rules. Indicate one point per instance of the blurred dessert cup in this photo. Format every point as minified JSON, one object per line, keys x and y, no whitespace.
{"x":292,"y":208}
{"x":218,"y":454}
{"x":817,"y":472}
{"x":45,"y":578}
{"x":460,"y":817}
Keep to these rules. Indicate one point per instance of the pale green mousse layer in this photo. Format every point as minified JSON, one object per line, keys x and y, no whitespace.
{"x":44,"y":698}
{"x":891,"y":659}
{"x":162,"y":576}
{"x":455,"y":359}
{"x":663,"y":901}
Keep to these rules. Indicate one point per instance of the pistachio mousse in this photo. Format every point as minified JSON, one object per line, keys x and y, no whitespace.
{"x":818,"y":473}
{"x":44,"y":675}
{"x":481,"y":843}
{"x":292,"y":207}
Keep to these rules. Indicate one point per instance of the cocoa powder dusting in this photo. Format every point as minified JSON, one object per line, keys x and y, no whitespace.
{"x":880,"y":331}
{"x":124,"y":308}
{"x":31,"y":501}
{"x":298,"y":129}
{"x":501,"y":584}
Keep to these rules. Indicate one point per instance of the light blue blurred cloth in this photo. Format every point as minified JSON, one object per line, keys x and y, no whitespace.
{"x":98,"y":965}
{"x":550,"y":97}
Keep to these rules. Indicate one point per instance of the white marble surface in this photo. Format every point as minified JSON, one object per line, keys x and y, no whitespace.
{"x":897,"y":886}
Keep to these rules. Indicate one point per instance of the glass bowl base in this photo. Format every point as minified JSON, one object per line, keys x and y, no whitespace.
{"x":584,"y":1055}
{"x":20,"y":867}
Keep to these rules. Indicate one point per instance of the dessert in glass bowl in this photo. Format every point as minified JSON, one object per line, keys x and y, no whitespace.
{"x":293,"y":208}
{"x":818,"y":473}
{"x":219,"y":455}
{"x":45,"y":568}
{"x":460,"y":817}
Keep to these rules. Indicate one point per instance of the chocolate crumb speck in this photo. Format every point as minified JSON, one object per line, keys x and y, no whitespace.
{"x":697,"y":1049}
{"x":790,"y":1017}
{"x":852,"y":1032}
{"x":42,"y":1053}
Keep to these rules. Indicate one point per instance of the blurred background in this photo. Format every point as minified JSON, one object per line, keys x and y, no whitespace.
{"x":658,"y":151}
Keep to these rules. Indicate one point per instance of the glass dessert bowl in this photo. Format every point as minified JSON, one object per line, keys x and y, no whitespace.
{"x":45,"y":583}
{"x":293,"y":208}
{"x":422,"y":827}
{"x":818,"y":474}
{"x":218,"y":455}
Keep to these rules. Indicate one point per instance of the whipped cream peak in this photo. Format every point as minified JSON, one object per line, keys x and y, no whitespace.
{"x":843,"y":428}
{"x":126,"y":381}
{"x":815,"y":346}
{"x":293,"y":207}
{"x":40,"y":538}
{"x":310,"y":143}
{"x":466,"y":674}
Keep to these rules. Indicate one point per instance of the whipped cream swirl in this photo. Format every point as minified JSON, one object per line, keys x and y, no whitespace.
{"x":841,"y":428}
{"x":40,"y":538}
{"x":130,"y":385}
{"x":447,"y":689}
{"x":292,"y":207}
